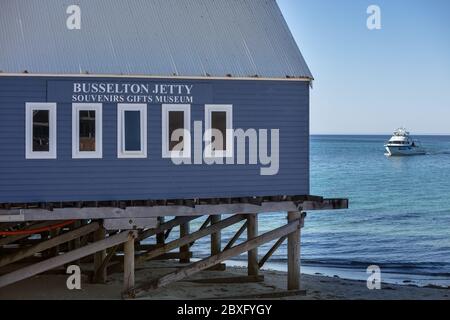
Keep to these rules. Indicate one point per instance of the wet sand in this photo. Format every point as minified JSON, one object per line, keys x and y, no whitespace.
{"x":317,"y":287}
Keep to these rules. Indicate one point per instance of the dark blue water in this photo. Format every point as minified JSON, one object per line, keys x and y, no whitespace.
{"x":399,"y":215}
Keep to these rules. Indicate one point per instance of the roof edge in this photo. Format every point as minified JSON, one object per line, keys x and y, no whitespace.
{"x":137,"y":76}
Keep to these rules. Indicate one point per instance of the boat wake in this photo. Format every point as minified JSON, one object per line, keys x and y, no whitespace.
{"x":437,"y":153}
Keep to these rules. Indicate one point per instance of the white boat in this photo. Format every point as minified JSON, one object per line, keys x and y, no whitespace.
{"x":401,"y":144}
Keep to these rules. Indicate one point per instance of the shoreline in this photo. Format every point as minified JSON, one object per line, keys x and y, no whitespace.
{"x":389,"y":275}
{"x":317,"y":287}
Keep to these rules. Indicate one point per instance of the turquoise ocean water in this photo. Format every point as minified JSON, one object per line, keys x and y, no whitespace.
{"x":399,"y":215}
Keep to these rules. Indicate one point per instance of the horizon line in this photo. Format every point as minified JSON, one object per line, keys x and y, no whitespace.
{"x":373,"y":134}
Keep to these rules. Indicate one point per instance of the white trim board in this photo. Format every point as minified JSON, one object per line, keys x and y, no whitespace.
{"x":51,"y":108}
{"x":229,"y":148}
{"x":166,"y":109}
{"x":121,"y":152}
{"x":76,"y":153}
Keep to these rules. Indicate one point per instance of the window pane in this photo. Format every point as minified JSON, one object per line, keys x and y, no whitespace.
{"x":132,"y":130}
{"x":87,"y":130}
{"x":219,"y":122}
{"x":176,"y":121}
{"x":41,"y":130}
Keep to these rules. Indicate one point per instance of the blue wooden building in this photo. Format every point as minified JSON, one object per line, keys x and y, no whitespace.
{"x":116,"y":114}
{"x":85,"y":114}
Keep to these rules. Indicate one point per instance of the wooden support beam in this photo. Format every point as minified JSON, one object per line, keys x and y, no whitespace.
{"x":216,"y":242}
{"x":206,"y":223}
{"x":184,"y":231}
{"x":146,"y":247}
{"x":157,"y":208}
{"x":167,"y":234}
{"x":236,"y":236}
{"x":191,"y":237}
{"x":174,"y":255}
{"x":271,"y":251}
{"x":229,"y":280}
{"x":203,"y":226}
{"x":217,"y":267}
{"x":99,"y":257}
{"x":60,"y":260}
{"x":293,"y":252}
{"x":252,"y":256}
{"x":98,"y":274}
{"x":128,"y":272}
{"x":216,"y":237}
{"x":47,"y":244}
{"x":86,"y":239}
{"x":76,"y":243}
{"x":325,"y":204}
{"x":165,"y":226}
{"x":160,"y":238}
{"x":213,"y":260}
{"x":55,"y":250}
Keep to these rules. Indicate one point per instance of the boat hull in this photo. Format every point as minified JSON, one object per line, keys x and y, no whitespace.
{"x":404,"y":151}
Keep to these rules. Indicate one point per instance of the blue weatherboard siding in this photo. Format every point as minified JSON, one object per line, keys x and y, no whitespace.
{"x":256,"y":104}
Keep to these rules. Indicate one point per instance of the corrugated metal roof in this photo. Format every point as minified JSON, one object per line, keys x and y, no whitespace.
{"x":241,"y":38}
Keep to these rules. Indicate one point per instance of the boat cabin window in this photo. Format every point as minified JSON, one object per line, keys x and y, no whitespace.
{"x":40,"y":131}
{"x":87,"y":131}
{"x":132,"y":131}
{"x":176,"y":126}
{"x":219,"y":130}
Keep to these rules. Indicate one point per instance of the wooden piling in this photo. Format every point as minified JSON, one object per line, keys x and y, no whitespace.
{"x":49,"y":264}
{"x":216,"y":237}
{"x":252,"y":256}
{"x":216,"y":259}
{"x":76,"y":243}
{"x":184,"y":250}
{"x":293,"y":253}
{"x":55,"y":250}
{"x":100,"y":273}
{"x":271,"y":251}
{"x":160,"y":237}
{"x":236,"y":236}
{"x":128,"y":270}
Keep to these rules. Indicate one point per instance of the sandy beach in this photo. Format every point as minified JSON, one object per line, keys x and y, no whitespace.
{"x":317,"y":287}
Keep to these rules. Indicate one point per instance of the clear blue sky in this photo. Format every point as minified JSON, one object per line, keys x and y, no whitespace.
{"x":372,"y":82}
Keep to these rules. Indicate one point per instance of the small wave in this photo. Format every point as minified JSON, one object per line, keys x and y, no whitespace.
{"x":436,"y":153}
{"x":418,"y":268}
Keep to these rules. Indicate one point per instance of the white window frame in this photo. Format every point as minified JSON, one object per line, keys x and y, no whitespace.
{"x":76,"y":153}
{"x":52,"y":119}
{"x":228,"y":108}
{"x":166,"y":108}
{"x":121,"y":153}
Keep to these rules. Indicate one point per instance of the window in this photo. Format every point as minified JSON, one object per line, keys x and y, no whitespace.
{"x":40,"y":131}
{"x":219,"y":130}
{"x":87,"y":131}
{"x":176,"y":127}
{"x":132,"y":130}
